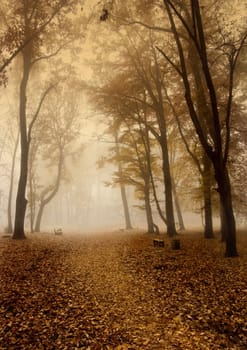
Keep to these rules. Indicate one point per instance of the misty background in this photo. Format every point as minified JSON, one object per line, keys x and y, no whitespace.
{"x":87,"y":199}
{"x":84,"y":202}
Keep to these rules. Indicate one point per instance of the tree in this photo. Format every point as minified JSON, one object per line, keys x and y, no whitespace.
{"x":146,"y":75}
{"x":214,"y":144}
{"x":237,"y":163}
{"x":10,"y":195}
{"x":37,"y":21}
{"x":199,"y":158}
{"x":217,"y":51}
{"x":132,"y":150}
{"x":116,"y":159}
{"x":61,"y":125}
{"x":131,"y":155}
{"x":128,"y":224}
{"x":136,"y":158}
{"x":34,"y":149}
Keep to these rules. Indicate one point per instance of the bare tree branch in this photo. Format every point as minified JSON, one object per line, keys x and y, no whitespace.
{"x":36,"y":114}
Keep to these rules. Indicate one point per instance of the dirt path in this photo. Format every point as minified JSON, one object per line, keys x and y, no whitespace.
{"x":115,"y":291}
{"x":126,"y":303}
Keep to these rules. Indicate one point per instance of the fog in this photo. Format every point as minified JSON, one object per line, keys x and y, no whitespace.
{"x":73,"y":167}
{"x":84,"y":203}
{"x":87,"y":204}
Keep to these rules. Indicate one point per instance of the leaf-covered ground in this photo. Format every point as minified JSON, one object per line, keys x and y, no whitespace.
{"x":118,"y":291}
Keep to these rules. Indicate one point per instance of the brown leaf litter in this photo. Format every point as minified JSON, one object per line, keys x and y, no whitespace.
{"x":116,"y":291}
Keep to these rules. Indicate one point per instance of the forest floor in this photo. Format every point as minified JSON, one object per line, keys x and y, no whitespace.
{"x":117,"y":291}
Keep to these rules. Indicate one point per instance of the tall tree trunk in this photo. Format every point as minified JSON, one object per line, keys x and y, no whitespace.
{"x":21,"y":201}
{"x":158,"y":103}
{"x":10,"y":225}
{"x":178,"y":208}
{"x":223,"y":222}
{"x":228,"y":224}
{"x":146,"y":143}
{"x":39,"y":217}
{"x":31,"y":194}
{"x":161,"y":118}
{"x":170,"y":220}
{"x":207,"y":196}
{"x":204,"y":113}
{"x":148,"y":211}
{"x":128,"y":224}
{"x":49,"y":192}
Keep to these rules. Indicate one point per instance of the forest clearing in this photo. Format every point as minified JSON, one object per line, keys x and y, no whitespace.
{"x":118,"y":291}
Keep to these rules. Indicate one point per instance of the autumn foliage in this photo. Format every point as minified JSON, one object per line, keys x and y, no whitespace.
{"x":118,"y":291}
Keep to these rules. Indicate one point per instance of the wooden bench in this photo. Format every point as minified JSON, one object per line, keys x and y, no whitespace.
{"x":158,"y":243}
{"x":58,"y":231}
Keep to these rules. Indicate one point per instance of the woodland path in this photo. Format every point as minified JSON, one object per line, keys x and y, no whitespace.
{"x":116,"y":291}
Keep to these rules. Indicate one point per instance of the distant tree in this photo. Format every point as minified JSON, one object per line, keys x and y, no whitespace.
{"x":136,"y":158}
{"x":131,"y":153}
{"x":128,"y":224}
{"x":142,"y":73}
{"x":176,"y":154}
{"x":151,"y":75}
{"x":55,"y":139}
{"x":114,"y":157}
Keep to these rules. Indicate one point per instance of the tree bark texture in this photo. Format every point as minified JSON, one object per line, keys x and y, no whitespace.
{"x":149,"y":215}
{"x":128,"y":224}
{"x":170,"y":220}
{"x":10,"y":224}
{"x":228,"y":224}
{"x":21,"y":201}
{"x":207,"y":197}
{"x":177,"y":206}
{"x":50,"y":193}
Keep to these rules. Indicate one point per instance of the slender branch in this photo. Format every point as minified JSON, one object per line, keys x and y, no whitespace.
{"x":195,"y":159}
{"x":133,"y":98}
{"x":146,"y":143}
{"x":133,"y":22}
{"x":182,"y":20}
{"x":33,"y":9}
{"x":54,"y":190}
{"x":37,"y":111}
{"x":170,"y":61}
{"x":211,"y":88}
{"x":48,"y":56}
{"x":232,"y":63}
{"x":126,"y":22}
{"x":187,"y":88}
